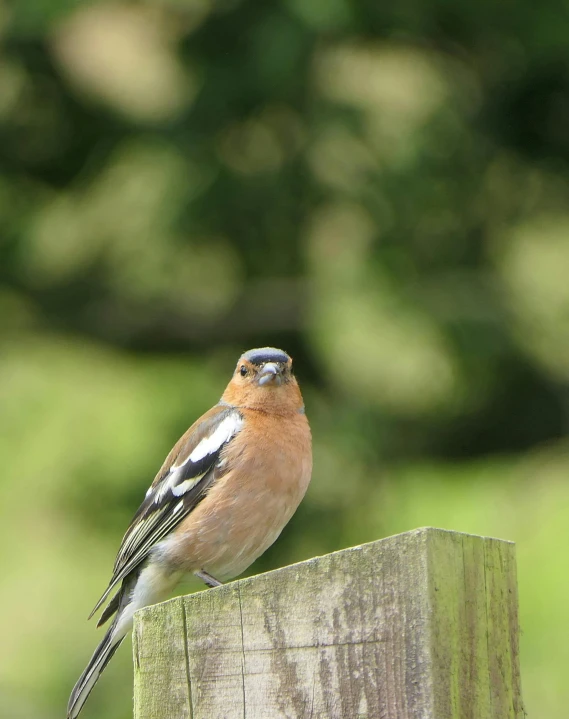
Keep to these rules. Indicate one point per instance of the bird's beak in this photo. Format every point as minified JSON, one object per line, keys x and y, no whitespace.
{"x":270,"y":372}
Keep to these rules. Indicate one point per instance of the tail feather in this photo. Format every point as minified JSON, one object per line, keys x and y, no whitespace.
{"x":110,"y":643}
{"x":101,"y":657}
{"x":142,"y":587}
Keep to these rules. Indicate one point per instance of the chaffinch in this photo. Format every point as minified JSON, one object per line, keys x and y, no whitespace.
{"x":221,"y":498}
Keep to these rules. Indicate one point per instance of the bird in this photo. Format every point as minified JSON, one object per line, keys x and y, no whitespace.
{"x":222,"y":496}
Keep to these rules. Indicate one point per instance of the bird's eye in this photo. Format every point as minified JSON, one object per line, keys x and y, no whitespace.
{"x":243,"y":371}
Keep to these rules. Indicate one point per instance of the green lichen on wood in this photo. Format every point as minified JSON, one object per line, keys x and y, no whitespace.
{"x":423,"y":624}
{"x":161,"y":686}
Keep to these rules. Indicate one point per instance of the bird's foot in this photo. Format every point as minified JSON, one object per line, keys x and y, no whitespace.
{"x":207,"y":579}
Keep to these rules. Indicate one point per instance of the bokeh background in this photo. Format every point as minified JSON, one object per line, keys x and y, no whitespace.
{"x":381,"y":189}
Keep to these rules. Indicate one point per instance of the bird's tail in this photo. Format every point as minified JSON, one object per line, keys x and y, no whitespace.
{"x":103,"y":654}
{"x":87,"y":680}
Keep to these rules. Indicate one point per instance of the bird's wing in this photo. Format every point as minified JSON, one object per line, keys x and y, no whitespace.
{"x":182,"y":482}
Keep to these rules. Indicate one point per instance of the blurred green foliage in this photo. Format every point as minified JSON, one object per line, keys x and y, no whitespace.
{"x":382,"y":190}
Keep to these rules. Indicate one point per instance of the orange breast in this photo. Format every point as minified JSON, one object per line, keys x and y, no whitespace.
{"x":270,"y":465}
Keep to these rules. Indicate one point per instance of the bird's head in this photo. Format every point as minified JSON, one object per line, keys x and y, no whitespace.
{"x":263,"y":379}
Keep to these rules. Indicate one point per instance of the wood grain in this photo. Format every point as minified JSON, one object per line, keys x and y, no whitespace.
{"x":422,"y":625}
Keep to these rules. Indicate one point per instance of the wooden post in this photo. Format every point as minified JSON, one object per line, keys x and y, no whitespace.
{"x":423,"y":625}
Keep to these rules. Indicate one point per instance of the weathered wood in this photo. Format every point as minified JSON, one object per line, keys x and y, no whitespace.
{"x":422,"y":625}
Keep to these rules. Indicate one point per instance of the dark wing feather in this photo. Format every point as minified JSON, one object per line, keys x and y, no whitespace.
{"x":182,"y":482}
{"x":110,"y":609}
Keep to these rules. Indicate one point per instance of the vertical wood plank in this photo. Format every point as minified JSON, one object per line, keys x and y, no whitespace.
{"x":162,"y":688}
{"x":502,"y":617}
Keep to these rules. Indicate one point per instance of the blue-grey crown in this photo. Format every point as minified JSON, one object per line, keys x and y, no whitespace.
{"x":265,"y":354}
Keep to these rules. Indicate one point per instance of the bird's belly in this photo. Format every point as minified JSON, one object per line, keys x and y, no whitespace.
{"x":230,"y":556}
{"x":234,"y":525}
